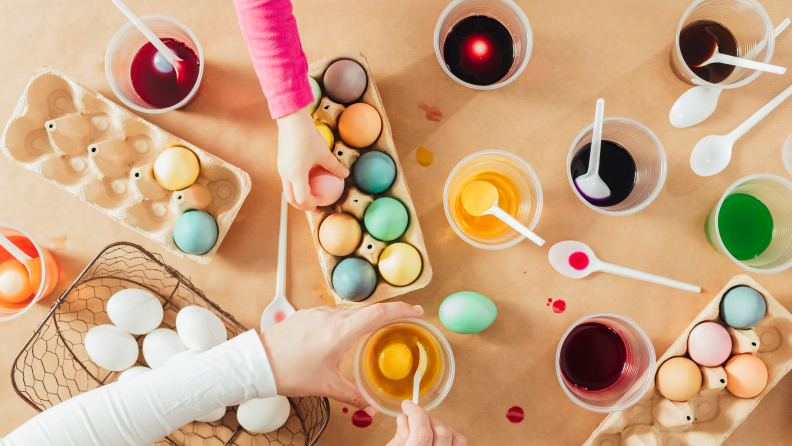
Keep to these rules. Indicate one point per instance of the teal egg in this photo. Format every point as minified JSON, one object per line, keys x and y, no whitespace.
{"x":386,"y":219}
{"x":742,"y":307}
{"x":354,"y":279}
{"x":195,"y":232}
{"x":374,"y":172}
{"x":467,"y":312}
{"x":317,"y":94}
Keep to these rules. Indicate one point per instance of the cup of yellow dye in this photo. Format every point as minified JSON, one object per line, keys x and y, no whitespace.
{"x":519,"y":194}
{"x":386,"y":361}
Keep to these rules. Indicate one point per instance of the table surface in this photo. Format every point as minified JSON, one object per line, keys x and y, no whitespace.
{"x":583,"y":50}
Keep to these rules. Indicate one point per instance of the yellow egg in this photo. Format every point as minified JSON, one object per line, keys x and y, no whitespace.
{"x":176,"y":168}
{"x":359,"y":125}
{"x":326,"y":133}
{"x":339,"y":234}
{"x":400,"y":264}
{"x":395,"y":360}
{"x":679,"y":379}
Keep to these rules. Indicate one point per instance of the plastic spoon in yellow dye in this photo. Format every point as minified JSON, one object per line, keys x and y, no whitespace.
{"x":481,"y":198}
{"x":419,"y":373}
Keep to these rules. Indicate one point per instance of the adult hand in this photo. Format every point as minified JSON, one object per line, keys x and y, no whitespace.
{"x":417,"y":428}
{"x":306,"y":349}
{"x":300,"y":148}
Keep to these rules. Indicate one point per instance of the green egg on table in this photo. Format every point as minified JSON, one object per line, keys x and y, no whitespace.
{"x":354,"y":279}
{"x":467,"y":312}
{"x":386,"y":219}
{"x":374,"y":172}
{"x":317,"y":94}
{"x":195,"y":232}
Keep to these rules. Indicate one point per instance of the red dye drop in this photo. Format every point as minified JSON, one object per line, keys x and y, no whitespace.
{"x":515,"y":414}
{"x":280,"y":316}
{"x":345,"y":410}
{"x":154,"y":79}
{"x":579,"y":260}
{"x":559,"y":306}
{"x":361,"y":419}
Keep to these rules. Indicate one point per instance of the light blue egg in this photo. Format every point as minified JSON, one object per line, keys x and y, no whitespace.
{"x":354,"y":279}
{"x":374,"y":172}
{"x":742,"y":307}
{"x":195,"y":232}
{"x":467,"y":312}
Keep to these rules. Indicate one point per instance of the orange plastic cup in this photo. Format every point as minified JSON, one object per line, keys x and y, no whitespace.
{"x":49,"y":270}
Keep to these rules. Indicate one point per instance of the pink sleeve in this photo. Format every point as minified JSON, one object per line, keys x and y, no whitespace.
{"x":271,"y":36}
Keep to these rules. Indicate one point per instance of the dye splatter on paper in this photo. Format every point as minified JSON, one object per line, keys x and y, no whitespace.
{"x":558,"y":306}
{"x":515,"y":414}
{"x":432,"y":113}
{"x":425,"y":157}
{"x":361,"y":419}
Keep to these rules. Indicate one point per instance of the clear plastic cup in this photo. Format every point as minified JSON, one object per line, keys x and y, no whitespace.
{"x":511,"y":166}
{"x":749,"y":24}
{"x":636,"y":378}
{"x":647,"y":152}
{"x":786,"y":154}
{"x":775,"y":192}
{"x":507,"y":13}
{"x":126,"y":43}
{"x":49,"y":270}
{"x":428,"y":400}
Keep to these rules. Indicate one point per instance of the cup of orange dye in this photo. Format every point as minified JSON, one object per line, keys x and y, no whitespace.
{"x":14,"y":276}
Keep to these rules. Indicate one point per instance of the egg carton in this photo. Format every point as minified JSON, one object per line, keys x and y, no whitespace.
{"x":354,"y":202}
{"x":104,"y":155}
{"x":714,"y":413}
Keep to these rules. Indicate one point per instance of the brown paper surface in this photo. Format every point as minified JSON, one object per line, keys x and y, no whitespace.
{"x":583,"y":50}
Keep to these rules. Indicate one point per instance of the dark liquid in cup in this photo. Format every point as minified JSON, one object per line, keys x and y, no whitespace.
{"x":593,"y":356}
{"x":479,"y":50}
{"x":617,"y":170}
{"x":697,"y":42}
{"x":154,"y":79}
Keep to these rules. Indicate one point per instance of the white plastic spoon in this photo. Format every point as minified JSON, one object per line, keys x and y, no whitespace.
{"x":280,"y":308}
{"x":481,"y":198}
{"x":590,"y":185}
{"x":419,"y":372}
{"x":713,"y":153}
{"x":717,"y":57}
{"x":576,"y":260}
{"x":32,"y":265}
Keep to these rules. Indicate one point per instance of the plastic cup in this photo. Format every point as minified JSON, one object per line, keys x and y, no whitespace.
{"x":511,"y":166}
{"x":774,"y":192}
{"x":636,"y":378}
{"x":507,"y":13}
{"x":749,"y":24}
{"x":786,"y":154}
{"x":126,"y":43}
{"x":647,"y":152}
{"x":49,"y":270}
{"x":430,"y":399}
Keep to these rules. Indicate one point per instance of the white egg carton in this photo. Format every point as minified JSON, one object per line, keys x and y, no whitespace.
{"x":104,"y":155}
{"x":354,"y":202}
{"x":714,"y":413}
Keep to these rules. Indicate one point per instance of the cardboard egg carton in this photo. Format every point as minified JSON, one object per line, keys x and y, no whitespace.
{"x":104,"y":155}
{"x":714,"y":413}
{"x":354,"y":202}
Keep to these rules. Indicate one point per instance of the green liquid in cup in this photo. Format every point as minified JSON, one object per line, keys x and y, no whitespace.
{"x":745,"y":226}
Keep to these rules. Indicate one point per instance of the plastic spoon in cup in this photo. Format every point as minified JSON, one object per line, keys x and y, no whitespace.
{"x":481,"y":198}
{"x":590,"y":184}
{"x":717,"y":57}
{"x":713,"y":153}
{"x":419,"y":372}
{"x":32,"y":265}
{"x":280,"y":308}
{"x":576,"y":260}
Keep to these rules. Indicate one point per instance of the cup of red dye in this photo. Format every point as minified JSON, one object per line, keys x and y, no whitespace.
{"x":605,"y":362}
{"x":144,"y":80}
{"x":49,"y":271}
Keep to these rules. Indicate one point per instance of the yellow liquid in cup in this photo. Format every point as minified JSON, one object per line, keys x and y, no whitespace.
{"x":487,"y":226}
{"x":400,"y":336}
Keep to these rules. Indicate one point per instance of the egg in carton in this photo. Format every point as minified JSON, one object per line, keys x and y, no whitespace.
{"x":104,"y":155}
{"x":354,"y":202}
{"x":709,"y":417}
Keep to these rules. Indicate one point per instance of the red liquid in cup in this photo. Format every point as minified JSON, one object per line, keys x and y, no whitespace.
{"x":479,"y":50}
{"x":154,"y":79}
{"x":593,"y":356}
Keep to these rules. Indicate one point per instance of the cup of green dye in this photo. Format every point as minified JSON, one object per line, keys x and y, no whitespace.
{"x":752,"y":223}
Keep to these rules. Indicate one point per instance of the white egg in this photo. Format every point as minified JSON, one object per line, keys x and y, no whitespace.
{"x":213,"y":415}
{"x":133,"y":372}
{"x":183,"y":355}
{"x":135,"y":311}
{"x":111,"y":348}
{"x":263,"y":415}
{"x":199,"y":328}
{"x":161,"y":345}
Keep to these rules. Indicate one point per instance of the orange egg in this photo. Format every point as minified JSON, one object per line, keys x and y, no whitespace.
{"x":359,"y":125}
{"x":746,"y":375}
{"x":14,"y":281}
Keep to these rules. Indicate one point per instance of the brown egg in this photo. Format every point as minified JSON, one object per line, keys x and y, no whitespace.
{"x":360,"y":125}
{"x":340,"y":234}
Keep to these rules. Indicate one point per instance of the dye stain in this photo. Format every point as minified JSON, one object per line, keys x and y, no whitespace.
{"x":344,"y":410}
{"x":361,"y":419}
{"x":280,"y":316}
{"x":425,"y":157}
{"x":59,"y":242}
{"x":578,"y":260}
{"x":432,"y":113}
{"x":549,"y":301}
{"x":559,"y":306}
{"x":515,"y":414}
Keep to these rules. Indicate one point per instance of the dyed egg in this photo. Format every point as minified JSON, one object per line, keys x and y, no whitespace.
{"x":160,"y":346}
{"x":679,"y":379}
{"x":746,"y":375}
{"x":195,"y":232}
{"x":395,"y":361}
{"x":742,"y":307}
{"x":135,"y":311}
{"x":199,"y":328}
{"x":176,"y":168}
{"x":133,"y":372}
{"x":467,"y":312}
{"x":263,"y":415}
{"x":359,"y":125}
{"x":111,"y":348}
{"x":709,"y":344}
{"x":345,"y":81}
{"x":325,"y":185}
{"x":400,"y":264}
{"x":339,"y":234}
{"x":386,"y":219}
{"x":317,"y":95}
{"x":354,"y":279}
{"x":326,"y":133}
{"x":14,"y":281}
{"x":374,"y":172}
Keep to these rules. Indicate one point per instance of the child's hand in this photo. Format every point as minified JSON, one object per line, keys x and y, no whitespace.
{"x":301,"y":147}
{"x":417,"y":428}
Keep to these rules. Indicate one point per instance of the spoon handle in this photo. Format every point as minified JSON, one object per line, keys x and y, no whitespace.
{"x":596,"y":140}
{"x":511,"y":221}
{"x":14,"y":251}
{"x":743,"y":128}
{"x":280,"y":283}
{"x":646,"y":277}
{"x":164,"y":50}
{"x":746,"y":63}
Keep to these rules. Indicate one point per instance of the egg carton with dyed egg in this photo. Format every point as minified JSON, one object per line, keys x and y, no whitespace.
{"x":104,"y":155}
{"x":708,"y":418}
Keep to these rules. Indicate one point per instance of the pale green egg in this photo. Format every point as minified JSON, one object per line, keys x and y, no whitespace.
{"x":467,"y":312}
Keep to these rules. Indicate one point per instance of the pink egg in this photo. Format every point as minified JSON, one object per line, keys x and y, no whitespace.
{"x":709,"y":344}
{"x":325,"y":185}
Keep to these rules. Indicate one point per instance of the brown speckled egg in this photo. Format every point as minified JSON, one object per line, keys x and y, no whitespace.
{"x":345,"y":81}
{"x":340,"y":234}
{"x":359,"y":125}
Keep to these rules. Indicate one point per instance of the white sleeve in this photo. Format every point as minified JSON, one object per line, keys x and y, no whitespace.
{"x":142,"y":410}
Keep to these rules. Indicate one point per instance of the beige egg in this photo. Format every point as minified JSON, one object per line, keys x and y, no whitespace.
{"x":679,"y":379}
{"x":340,"y":234}
{"x":400,"y":264}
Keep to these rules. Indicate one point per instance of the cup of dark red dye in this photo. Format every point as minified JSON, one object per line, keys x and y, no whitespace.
{"x":605,"y":362}
{"x":144,"y":80}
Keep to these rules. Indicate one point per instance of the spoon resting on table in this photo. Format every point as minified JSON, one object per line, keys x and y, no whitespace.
{"x":481,"y":198}
{"x":280,"y":308}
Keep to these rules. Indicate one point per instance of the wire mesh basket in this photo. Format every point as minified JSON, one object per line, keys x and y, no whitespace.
{"x":53,"y":366}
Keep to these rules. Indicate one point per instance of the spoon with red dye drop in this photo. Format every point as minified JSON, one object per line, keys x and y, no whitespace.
{"x":576,"y":260}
